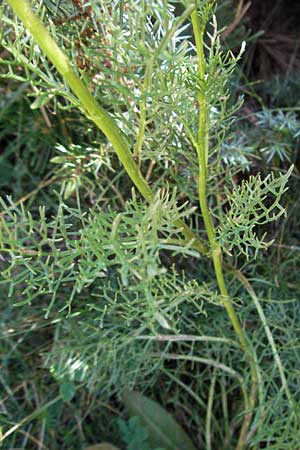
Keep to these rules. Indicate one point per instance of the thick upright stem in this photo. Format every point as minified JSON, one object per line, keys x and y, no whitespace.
{"x":216,"y":251}
{"x":91,"y":107}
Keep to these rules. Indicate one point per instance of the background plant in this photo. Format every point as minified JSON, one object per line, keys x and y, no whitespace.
{"x":117,"y":267}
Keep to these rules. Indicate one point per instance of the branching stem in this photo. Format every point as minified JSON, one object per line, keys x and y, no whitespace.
{"x":91,"y":107}
{"x":107,"y":125}
{"x":216,"y":251}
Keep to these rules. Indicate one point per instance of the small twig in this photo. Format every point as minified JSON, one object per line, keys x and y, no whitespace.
{"x":45,"y":116}
{"x":186,"y":337}
{"x":240,"y":13}
{"x":150,"y":169}
{"x":118,"y":193}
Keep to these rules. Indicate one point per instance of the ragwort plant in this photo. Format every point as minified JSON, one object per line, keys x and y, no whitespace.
{"x":112,"y":275}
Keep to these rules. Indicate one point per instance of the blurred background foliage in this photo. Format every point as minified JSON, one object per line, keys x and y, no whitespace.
{"x":55,"y":373}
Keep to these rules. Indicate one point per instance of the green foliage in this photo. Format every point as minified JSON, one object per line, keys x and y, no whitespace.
{"x":250,"y":206}
{"x":67,"y":390}
{"x":275,"y":138}
{"x":117,"y":297}
{"x":77,"y":163}
{"x":281,"y":134}
{"x":134,"y":435}
{"x":24,"y":62}
{"x":161,"y":428}
{"x":76,"y":248}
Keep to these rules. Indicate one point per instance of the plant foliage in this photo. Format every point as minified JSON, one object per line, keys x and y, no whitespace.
{"x":124,"y":284}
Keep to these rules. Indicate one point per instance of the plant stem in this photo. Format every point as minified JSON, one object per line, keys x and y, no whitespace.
{"x":143,"y":112}
{"x":209,"y":410}
{"x":91,"y":107}
{"x":216,"y":251}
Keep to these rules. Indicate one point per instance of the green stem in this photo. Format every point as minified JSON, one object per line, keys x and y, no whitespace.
{"x":91,"y":107}
{"x":209,"y":411}
{"x":216,"y":251}
{"x":143,"y":112}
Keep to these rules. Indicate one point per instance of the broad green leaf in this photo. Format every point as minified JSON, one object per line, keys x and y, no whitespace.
{"x":163,"y":430}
